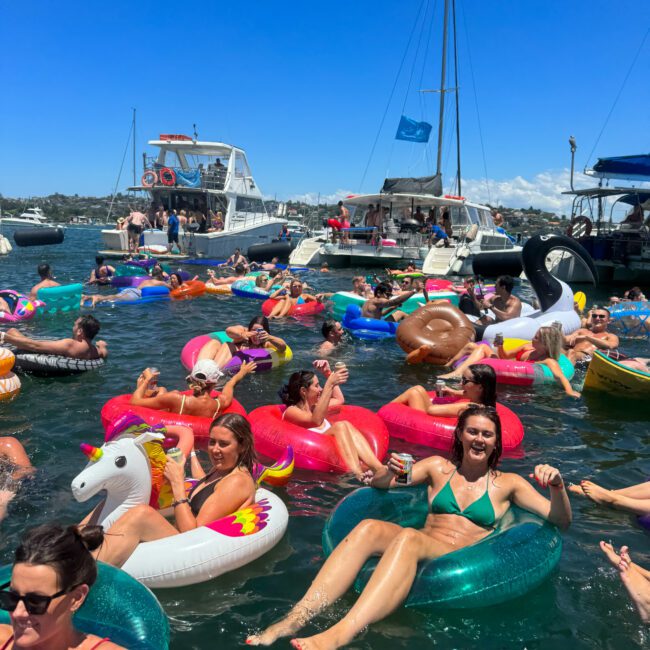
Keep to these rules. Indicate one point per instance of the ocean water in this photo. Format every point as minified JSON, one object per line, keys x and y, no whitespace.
{"x":583,"y":604}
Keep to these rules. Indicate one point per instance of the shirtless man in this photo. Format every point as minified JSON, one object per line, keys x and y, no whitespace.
{"x":583,"y":343}
{"x":360,"y":287}
{"x":80,"y":346}
{"x":235,"y":259}
{"x":333,"y":334}
{"x":240,"y":273}
{"x":130,"y":293}
{"x":45,"y":272}
{"x":382,"y":302}
{"x":497,"y":217}
{"x":136,"y":222}
{"x":503,"y":304}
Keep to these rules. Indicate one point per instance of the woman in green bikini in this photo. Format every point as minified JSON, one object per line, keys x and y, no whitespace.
{"x":467,"y":495}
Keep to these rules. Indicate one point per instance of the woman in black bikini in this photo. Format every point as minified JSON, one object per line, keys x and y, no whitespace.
{"x":227,"y":487}
{"x":102,"y":273}
{"x":52,"y":574}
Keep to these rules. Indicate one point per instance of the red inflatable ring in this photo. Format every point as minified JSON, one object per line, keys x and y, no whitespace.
{"x":200,"y":426}
{"x":438,"y":432}
{"x":315,"y":451}
{"x":149,"y":178}
{"x":167,"y":176}
{"x":306,"y":309}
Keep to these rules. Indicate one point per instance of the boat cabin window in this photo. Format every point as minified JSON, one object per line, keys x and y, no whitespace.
{"x":249,"y":204}
{"x":241,"y":166}
{"x":486,"y":218}
{"x":474,"y":216}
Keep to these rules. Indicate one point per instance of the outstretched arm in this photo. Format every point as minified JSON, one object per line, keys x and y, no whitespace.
{"x":228,"y":392}
{"x":63,"y":347}
{"x":554,"y":367}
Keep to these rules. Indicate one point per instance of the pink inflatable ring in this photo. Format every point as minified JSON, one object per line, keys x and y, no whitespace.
{"x":315,"y":451}
{"x":438,"y":432}
{"x":305,"y":309}
{"x":21,"y":307}
{"x":121,"y":404}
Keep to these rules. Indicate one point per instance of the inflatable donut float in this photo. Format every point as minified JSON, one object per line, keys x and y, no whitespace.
{"x":306,"y":309}
{"x":315,"y":451}
{"x":418,"y":427}
{"x":442,"y":327}
{"x":9,"y":383}
{"x":189,"y":289}
{"x":22,"y":307}
{"x":117,"y":406}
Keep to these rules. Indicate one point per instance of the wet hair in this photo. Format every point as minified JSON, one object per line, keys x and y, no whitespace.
{"x":491,"y":414}
{"x":383,"y":288}
{"x":239,"y":426}
{"x":99,"y":260}
{"x":89,"y":326}
{"x":506,"y":282}
{"x":177,"y":276}
{"x":240,"y":269}
{"x":553,"y":340}
{"x":157,"y":272}
{"x":259,"y":320}
{"x":290,"y":392}
{"x":44,"y":271}
{"x":328,"y":326}
{"x":66,"y":550}
{"x":486,"y":378}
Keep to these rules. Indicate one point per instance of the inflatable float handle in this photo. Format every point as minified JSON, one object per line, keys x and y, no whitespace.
{"x":277,"y":474}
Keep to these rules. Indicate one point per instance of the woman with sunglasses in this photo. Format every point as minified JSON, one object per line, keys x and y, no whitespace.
{"x":226,"y":487}
{"x":256,"y":334}
{"x":201,"y":381}
{"x":287,"y":300}
{"x":478,"y":387}
{"x":467,"y":497}
{"x":308,"y":406}
{"x":52,"y":574}
{"x":546,"y":348}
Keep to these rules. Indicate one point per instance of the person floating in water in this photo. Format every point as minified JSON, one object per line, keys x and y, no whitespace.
{"x":47,"y":281}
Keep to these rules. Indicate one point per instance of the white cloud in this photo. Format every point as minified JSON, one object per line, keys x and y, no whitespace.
{"x":313,"y":197}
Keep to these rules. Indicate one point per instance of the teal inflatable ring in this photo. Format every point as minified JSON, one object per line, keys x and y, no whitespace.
{"x":517,"y":557}
{"x":117,"y":607}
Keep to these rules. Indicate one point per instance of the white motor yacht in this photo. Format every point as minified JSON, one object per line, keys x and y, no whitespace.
{"x":32,"y":218}
{"x":200,"y":178}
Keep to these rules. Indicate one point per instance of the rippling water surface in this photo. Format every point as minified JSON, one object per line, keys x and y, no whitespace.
{"x":582,"y":606}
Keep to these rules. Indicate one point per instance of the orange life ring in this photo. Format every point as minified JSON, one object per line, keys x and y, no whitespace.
{"x":574,"y":227}
{"x":149,"y":178}
{"x":167,"y":176}
{"x":456,"y":198}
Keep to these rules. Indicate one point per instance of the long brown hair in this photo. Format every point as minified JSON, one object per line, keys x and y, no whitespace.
{"x":239,"y":426}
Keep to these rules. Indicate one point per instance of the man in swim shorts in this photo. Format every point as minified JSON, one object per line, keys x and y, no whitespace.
{"x":382,"y":302}
{"x":130,"y":293}
{"x":583,"y":343}
{"x":503,"y":304}
{"x":136,"y":222}
{"x":45,"y":273}
{"x":80,"y":346}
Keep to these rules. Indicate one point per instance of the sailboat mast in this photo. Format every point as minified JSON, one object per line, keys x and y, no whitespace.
{"x":134,"y":147}
{"x":453,"y":19}
{"x":442,"y":85}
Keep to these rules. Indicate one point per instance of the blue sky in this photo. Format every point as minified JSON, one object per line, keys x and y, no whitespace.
{"x":302,"y":86}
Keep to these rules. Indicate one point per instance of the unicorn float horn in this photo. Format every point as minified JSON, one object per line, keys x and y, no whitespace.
{"x":93,"y":453}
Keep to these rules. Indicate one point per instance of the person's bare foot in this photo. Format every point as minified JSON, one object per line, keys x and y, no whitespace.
{"x":286,"y":627}
{"x":597,"y":493}
{"x":637,"y":585}
{"x":613,"y":557}
{"x":419,"y":355}
{"x":576,"y":489}
{"x":311,"y":643}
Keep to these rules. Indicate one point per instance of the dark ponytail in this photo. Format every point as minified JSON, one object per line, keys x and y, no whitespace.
{"x":66,"y":550}
{"x":290,"y":392}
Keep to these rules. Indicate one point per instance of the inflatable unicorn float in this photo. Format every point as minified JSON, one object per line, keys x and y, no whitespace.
{"x":129,"y":468}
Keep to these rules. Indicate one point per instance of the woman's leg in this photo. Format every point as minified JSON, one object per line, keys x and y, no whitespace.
{"x":286,"y":307}
{"x":336,"y":576}
{"x":465,"y":351}
{"x":480,"y":352}
{"x":389,"y":586}
{"x":140,"y":524}
{"x":219,"y":352}
{"x":346,"y":447}
{"x":277,"y":308}
{"x":416,"y":397}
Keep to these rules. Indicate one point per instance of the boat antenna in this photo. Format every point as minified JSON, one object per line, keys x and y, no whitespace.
{"x":442,"y":85}
{"x":134,"y":147}
{"x":453,"y":18}
{"x":196,"y":135}
{"x":574,"y":146}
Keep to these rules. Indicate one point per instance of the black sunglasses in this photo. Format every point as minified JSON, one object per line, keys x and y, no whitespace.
{"x":464,"y":380}
{"x":603,"y":316}
{"x":35,"y":604}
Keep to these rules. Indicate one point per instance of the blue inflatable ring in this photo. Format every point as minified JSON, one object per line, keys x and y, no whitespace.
{"x":117,"y":607}
{"x":368,"y":329}
{"x":517,"y":557}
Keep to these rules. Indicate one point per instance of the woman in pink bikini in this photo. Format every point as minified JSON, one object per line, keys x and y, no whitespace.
{"x":52,"y":574}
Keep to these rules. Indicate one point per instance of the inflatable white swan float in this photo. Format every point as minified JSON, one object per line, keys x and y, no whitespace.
{"x":555,"y":297}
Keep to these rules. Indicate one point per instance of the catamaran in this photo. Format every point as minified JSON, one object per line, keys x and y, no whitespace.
{"x":207,"y":178}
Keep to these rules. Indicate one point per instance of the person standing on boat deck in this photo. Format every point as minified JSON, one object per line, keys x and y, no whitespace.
{"x":418,"y":215}
{"x":136,"y":222}
{"x":497,"y":217}
{"x":437,"y":236}
{"x":172,"y":231}
{"x":445,"y":222}
{"x":47,"y":281}
{"x":503,"y":304}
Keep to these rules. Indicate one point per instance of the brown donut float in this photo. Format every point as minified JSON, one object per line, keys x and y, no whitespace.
{"x":443,"y":327}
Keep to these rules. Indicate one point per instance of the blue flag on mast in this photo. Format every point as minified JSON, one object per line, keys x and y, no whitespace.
{"x":413,"y":131}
